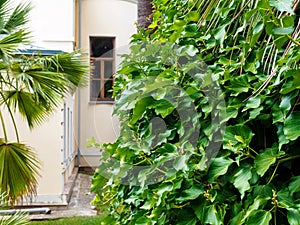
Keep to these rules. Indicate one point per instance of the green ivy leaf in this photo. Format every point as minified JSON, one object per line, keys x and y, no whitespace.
{"x":238,"y":85}
{"x":178,"y":25}
{"x":258,"y":29}
{"x":293,"y":84}
{"x":291,"y":127}
{"x":255,"y":112}
{"x":140,"y":108}
{"x":283,"y":5}
{"x":107,"y":220}
{"x":237,"y":137}
{"x":192,"y":193}
{"x":180,"y":162}
{"x":286,"y":101}
{"x":253,"y":103}
{"x":163,"y":188}
{"x":218,"y":167}
{"x":283,"y":30}
{"x":231,"y":112}
{"x":280,"y":41}
{"x":293,"y":216}
{"x":220,"y":34}
{"x":190,"y":50}
{"x":193,"y":16}
{"x":237,"y":219}
{"x":241,"y":179}
{"x":250,"y":67}
{"x":143,"y":221}
{"x":149,"y":204}
{"x":260,"y":217}
{"x":281,"y":137}
{"x":294,"y":185}
{"x":257,"y":202}
{"x":264,"y":160}
{"x":162,"y":107}
{"x":212,"y":216}
{"x":192,"y":221}
{"x":284,"y":198}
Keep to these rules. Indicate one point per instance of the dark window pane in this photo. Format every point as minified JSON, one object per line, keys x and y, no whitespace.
{"x":101,"y":47}
{"x":102,"y":68}
{"x":95,"y":89}
{"x":96,"y":66}
{"x":108,"y":89}
{"x":108,"y":69}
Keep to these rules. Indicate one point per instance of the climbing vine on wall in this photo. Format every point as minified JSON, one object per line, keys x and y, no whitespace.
{"x":217,"y":75}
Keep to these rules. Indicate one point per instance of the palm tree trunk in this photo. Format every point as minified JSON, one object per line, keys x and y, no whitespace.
{"x":144,"y":13}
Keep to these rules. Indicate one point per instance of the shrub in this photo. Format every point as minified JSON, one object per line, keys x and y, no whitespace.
{"x":208,"y":100}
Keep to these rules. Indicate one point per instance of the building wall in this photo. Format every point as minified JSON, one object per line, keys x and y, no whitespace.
{"x":111,"y":18}
{"x":52,"y":23}
{"x":52,"y":27}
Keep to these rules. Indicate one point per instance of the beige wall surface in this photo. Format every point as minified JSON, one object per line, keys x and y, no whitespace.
{"x":52,"y":24}
{"x":52,"y":27}
{"x":46,"y":141}
{"x":111,"y":18}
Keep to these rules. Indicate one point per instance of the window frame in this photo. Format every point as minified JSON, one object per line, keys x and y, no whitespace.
{"x":102,"y":78}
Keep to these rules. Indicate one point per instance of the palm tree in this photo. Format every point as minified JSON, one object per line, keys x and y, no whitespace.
{"x":144,"y":13}
{"x":19,"y":218}
{"x":32,"y":86}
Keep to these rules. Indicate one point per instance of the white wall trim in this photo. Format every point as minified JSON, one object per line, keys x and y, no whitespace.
{"x":90,"y":153}
{"x":43,"y":200}
{"x":130,"y":1}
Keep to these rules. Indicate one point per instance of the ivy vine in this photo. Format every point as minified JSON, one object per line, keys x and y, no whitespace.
{"x":242,"y":103}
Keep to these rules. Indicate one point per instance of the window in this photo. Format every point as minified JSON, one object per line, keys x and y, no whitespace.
{"x":102,"y":59}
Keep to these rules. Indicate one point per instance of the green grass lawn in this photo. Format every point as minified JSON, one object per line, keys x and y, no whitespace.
{"x":81,"y":220}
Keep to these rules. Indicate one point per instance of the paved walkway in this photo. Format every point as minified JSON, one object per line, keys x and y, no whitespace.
{"x":79,"y":204}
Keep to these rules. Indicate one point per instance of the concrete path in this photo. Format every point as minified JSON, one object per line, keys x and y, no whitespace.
{"x":79,"y":204}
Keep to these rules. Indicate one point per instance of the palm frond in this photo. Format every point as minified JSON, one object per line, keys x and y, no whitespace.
{"x":18,"y":218}
{"x":18,"y":18}
{"x":12,"y":42}
{"x":5,"y":11}
{"x":18,"y":170}
{"x":33,"y":107}
{"x":37,"y":84}
{"x":72,"y":66}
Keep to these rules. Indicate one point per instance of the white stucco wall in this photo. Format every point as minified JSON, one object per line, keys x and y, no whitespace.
{"x":52,"y":23}
{"x":111,"y":18}
{"x":52,"y":27}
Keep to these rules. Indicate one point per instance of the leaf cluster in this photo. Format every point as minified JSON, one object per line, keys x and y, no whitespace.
{"x":244,"y":167}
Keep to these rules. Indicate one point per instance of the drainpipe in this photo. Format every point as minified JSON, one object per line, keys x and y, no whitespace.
{"x":30,"y":211}
{"x":79,"y":96}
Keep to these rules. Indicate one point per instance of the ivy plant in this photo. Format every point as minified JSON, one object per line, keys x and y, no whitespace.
{"x":208,"y":102}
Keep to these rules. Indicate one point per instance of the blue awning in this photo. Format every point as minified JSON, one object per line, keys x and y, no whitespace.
{"x":35,"y":50}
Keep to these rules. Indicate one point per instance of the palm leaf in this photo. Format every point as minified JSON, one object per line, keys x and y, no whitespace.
{"x":18,"y":170}
{"x":34,"y":109}
{"x":12,"y":42}
{"x":18,"y":218}
{"x":5,"y":10}
{"x":18,"y":18}
{"x":38,"y":84}
{"x":72,"y":66}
